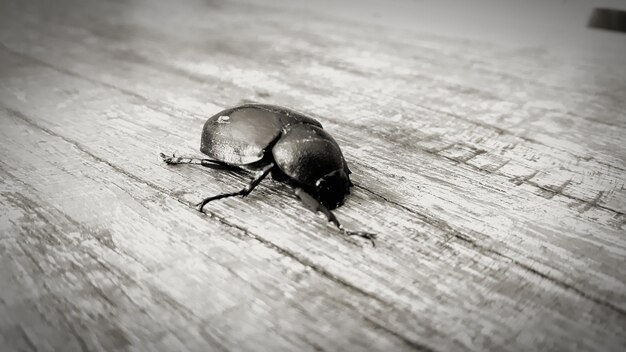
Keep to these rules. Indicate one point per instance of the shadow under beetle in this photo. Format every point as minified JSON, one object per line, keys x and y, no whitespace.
{"x":291,"y":146}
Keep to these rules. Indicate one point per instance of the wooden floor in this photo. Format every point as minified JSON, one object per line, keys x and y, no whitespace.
{"x":494,"y":175}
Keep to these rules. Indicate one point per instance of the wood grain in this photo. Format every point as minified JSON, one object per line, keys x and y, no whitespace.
{"x":495,"y":181}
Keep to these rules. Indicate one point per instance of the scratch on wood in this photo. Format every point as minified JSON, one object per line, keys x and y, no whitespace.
{"x":413,"y":344}
{"x":592,"y":203}
{"x":27,"y":338}
{"x":465,"y":238}
{"x":81,"y":342}
{"x":476,"y":153}
{"x":551,"y":191}
{"x":518,"y":180}
{"x":497,"y":167}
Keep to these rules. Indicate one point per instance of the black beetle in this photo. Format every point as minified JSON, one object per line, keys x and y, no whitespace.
{"x":291,"y":146}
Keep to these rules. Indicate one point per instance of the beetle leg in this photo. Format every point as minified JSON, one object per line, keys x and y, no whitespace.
{"x":314,"y":205}
{"x":258,"y":177}
{"x":175,"y":160}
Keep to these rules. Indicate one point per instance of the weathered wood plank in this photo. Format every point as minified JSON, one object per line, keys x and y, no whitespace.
{"x":128,"y":122}
{"x":114,"y":262}
{"x":504,"y":151}
{"x":528,"y":273}
{"x":612,"y":222}
{"x":460,"y":268}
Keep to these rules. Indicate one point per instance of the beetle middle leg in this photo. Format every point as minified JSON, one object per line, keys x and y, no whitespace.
{"x":314,"y":205}
{"x":258,"y":177}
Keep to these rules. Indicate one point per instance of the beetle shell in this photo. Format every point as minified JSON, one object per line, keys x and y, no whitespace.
{"x":252,"y":136}
{"x":240,"y":135}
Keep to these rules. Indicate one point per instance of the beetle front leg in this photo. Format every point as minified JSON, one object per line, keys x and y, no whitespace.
{"x":317,"y":207}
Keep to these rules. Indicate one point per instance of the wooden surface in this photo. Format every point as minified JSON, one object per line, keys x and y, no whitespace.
{"x":494,"y":175}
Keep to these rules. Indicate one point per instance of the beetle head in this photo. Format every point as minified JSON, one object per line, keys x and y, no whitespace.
{"x":332,"y":188}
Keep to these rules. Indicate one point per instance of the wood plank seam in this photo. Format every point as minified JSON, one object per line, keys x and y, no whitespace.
{"x":521,"y":179}
{"x":27,"y":337}
{"x":413,"y":344}
{"x":547,"y":191}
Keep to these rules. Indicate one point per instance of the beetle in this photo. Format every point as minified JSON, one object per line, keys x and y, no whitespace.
{"x":292,"y":147}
